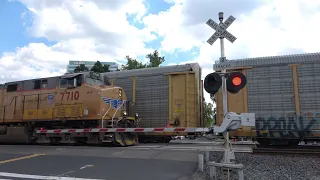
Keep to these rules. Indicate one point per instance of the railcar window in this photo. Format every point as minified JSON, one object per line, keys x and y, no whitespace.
{"x":37,"y":84}
{"x":12,"y":87}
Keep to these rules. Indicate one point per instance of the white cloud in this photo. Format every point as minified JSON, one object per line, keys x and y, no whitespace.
{"x":262,"y":28}
{"x":169,"y":25}
{"x":99,"y":30}
{"x":84,"y":30}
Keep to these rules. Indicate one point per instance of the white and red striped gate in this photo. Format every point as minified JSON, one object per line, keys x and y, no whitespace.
{"x":137,"y":130}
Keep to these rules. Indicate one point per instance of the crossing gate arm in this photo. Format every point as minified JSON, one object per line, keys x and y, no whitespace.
{"x":137,"y":130}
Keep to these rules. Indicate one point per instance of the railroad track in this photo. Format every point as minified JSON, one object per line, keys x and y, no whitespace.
{"x":287,"y":151}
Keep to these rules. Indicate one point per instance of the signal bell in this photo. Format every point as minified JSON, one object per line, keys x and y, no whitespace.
{"x":212,"y":83}
{"x":235,"y":82}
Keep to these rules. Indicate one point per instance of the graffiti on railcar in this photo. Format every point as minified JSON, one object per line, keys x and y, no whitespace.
{"x":288,"y":125}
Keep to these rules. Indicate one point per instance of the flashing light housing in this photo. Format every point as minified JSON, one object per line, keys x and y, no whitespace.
{"x":235,"y":82}
{"x":212,"y":83}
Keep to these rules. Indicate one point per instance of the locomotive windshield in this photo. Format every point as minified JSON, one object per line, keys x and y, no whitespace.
{"x":93,"y":82}
{"x":76,"y":80}
{"x":94,"y":79}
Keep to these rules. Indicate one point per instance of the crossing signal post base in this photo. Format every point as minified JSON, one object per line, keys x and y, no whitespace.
{"x":232,"y":121}
{"x":228,"y":154}
{"x":213,"y":166}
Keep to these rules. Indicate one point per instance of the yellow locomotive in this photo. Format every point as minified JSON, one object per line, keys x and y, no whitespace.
{"x":77,"y":100}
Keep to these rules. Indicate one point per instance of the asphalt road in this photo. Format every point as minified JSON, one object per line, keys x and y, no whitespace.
{"x":63,"y":162}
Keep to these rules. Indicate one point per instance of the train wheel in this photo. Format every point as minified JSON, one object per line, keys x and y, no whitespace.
{"x":67,"y":139}
{"x":43,"y":139}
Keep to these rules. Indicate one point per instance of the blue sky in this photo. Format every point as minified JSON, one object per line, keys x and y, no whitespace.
{"x":14,"y":33}
{"x":17,"y":18}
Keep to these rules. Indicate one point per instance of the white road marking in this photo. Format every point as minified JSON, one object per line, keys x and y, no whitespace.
{"x":118,"y":153}
{"x":147,"y":146}
{"x":140,"y":148}
{"x":15,"y":175}
{"x":86,"y":166}
{"x":66,"y":173}
{"x":89,"y":165}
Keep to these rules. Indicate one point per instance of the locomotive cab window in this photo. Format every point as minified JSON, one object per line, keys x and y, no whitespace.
{"x":37,"y":84}
{"x":12,"y":87}
{"x":44,"y":83}
{"x":79,"y":81}
{"x":63,"y":83}
{"x":71,"y":82}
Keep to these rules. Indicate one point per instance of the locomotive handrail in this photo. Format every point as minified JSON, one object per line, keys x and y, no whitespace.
{"x":106,"y":114}
{"x":138,"y":121}
{"x":14,"y":97}
{"x":117,"y":111}
{"x":4,"y":106}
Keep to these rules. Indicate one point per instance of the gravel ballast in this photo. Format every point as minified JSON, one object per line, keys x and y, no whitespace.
{"x":268,"y":167}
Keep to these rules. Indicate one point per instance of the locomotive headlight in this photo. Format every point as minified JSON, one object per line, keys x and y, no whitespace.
{"x":124,"y":113}
{"x":120,"y":93}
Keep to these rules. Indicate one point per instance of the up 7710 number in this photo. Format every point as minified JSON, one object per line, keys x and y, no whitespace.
{"x":70,"y":95}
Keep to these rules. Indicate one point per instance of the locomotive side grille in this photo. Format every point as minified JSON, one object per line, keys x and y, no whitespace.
{"x":61,"y":111}
{"x":73,"y":111}
{"x":76,"y":110}
{"x":69,"y":110}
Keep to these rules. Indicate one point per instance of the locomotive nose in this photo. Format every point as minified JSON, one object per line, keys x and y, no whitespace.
{"x":112,"y":92}
{"x":112,"y":101}
{"x":113,"y":96}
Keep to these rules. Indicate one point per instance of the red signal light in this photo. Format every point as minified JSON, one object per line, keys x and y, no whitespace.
{"x":235,"y":82}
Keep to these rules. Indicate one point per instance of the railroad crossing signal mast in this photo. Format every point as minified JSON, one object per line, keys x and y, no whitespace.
{"x":230,"y":82}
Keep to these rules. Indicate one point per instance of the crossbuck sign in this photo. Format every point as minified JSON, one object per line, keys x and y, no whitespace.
{"x":221,"y":30}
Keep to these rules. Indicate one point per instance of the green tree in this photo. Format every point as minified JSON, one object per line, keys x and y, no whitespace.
{"x":132,"y":64}
{"x":154,"y":59}
{"x":81,"y":68}
{"x":100,"y":68}
{"x":209,"y":112}
{"x":213,"y":98}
